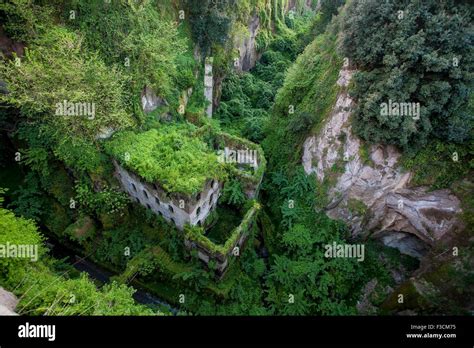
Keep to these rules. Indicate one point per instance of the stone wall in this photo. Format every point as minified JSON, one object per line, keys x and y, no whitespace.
{"x":222,"y":254}
{"x":193,"y":210}
{"x":248,"y":54}
{"x":206,"y":256}
{"x":175,"y":208}
{"x":249,"y":175}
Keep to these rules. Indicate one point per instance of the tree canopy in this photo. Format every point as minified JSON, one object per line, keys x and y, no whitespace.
{"x":411,"y":52}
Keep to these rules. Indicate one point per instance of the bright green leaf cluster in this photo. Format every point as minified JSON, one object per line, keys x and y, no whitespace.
{"x":170,"y":155}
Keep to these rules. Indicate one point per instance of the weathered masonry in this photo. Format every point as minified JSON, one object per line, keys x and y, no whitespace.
{"x":154,"y":168}
{"x":222,"y":254}
{"x":169,"y":170}
{"x":250,"y":177}
{"x":177,"y":208}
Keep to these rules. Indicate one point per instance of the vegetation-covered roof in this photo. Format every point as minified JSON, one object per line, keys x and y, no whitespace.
{"x":171,"y":155}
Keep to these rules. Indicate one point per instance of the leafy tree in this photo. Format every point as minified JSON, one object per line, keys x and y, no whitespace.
{"x":49,"y":294}
{"x":45,"y":293}
{"x":56,"y":69}
{"x":233,"y":193}
{"x":137,"y":38}
{"x":16,"y":231}
{"x":29,"y":199}
{"x":254,"y":125}
{"x":209,"y":21}
{"x":106,"y":201}
{"x":411,"y":52}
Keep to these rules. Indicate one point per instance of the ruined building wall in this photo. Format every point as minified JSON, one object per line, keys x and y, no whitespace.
{"x":221,"y":254}
{"x":175,"y":208}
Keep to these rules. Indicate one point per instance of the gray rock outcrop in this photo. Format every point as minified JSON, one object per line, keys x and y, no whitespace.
{"x":248,"y":55}
{"x":372,"y":193}
{"x":150,"y":101}
{"x":8,"y":303}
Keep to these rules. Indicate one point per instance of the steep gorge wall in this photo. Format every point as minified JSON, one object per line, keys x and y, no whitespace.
{"x":372,"y":193}
{"x":247,"y":48}
{"x":248,"y":54}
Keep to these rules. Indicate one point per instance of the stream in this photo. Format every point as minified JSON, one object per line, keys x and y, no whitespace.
{"x":102,"y":275}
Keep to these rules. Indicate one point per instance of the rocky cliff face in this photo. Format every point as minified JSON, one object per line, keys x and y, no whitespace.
{"x":150,"y":101}
{"x":248,"y":57}
{"x":8,"y":303}
{"x":372,"y":193}
{"x":248,"y":49}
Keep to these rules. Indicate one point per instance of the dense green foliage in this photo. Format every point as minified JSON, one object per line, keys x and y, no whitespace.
{"x":23,"y":20}
{"x":56,"y":69}
{"x":145,"y":44}
{"x":319,"y":285}
{"x":233,"y":193}
{"x":19,"y":231}
{"x":43,"y":292}
{"x":105,"y":53}
{"x":247,"y":97}
{"x":440,"y":164}
{"x":209,"y":21}
{"x":411,"y":52}
{"x":306,"y":97}
{"x":169,"y":155}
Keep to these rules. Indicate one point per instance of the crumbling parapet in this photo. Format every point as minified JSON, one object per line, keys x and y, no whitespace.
{"x":250,"y":175}
{"x":208,"y":251}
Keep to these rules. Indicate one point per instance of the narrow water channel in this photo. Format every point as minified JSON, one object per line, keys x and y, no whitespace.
{"x":103,"y":276}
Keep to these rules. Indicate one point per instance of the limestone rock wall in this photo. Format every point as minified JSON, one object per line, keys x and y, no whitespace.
{"x":150,"y":101}
{"x":387,"y":207}
{"x":8,"y":302}
{"x":248,"y":55}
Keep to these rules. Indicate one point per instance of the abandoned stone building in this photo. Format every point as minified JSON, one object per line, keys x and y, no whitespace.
{"x":190,"y":212}
{"x":178,"y":209}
